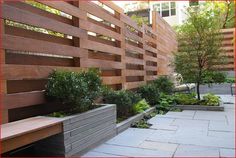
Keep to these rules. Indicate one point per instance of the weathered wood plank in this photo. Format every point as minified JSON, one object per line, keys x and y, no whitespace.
{"x":112,"y":80}
{"x":66,"y":7}
{"x":26,"y":17}
{"x":38,"y":46}
{"x":21,"y":72}
{"x":99,"y":12}
{"x":86,"y":25}
{"x":87,"y":44}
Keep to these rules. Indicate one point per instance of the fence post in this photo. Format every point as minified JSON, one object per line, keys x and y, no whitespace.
{"x":4,"y":116}
{"x":144,"y":56}
{"x":123,"y":61}
{"x":82,"y":61}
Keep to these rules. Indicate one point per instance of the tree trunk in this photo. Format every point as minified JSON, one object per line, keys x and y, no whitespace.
{"x":198,"y":91}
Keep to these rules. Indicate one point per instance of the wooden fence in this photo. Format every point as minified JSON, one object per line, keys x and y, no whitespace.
{"x":229,"y":49}
{"x":38,"y":38}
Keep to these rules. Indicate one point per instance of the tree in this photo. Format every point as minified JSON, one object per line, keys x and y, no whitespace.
{"x":199,"y":46}
{"x":223,"y":9}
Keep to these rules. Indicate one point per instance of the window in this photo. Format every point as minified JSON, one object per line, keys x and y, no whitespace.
{"x":172,"y":8}
{"x":165,"y":9}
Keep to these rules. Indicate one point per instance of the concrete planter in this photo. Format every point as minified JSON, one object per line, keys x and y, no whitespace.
{"x":201,"y":107}
{"x":82,"y":132}
{"x":120,"y":127}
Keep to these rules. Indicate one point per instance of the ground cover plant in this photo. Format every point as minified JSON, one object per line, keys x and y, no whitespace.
{"x":190,"y":99}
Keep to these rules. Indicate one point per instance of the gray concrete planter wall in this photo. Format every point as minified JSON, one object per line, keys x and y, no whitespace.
{"x":120,"y":127}
{"x":201,"y":107}
{"x":82,"y":132}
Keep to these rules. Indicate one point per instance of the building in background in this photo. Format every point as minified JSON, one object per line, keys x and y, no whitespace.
{"x":173,"y":12}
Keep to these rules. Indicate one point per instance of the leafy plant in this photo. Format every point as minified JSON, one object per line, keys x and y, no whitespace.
{"x":186,"y":99}
{"x":78,"y":90}
{"x":230,"y":80}
{"x":165,"y":103}
{"x":124,"y":101}
{"x":164,"y":85}
{"x":150,"y":93}
{"x":141,"y":124}
{"x":141,"y":106}
{"x":211,"y":100}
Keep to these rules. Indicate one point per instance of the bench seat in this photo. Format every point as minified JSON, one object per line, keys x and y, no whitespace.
{"x":23,"y":132}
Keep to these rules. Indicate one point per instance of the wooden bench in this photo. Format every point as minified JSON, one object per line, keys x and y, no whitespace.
{"x":23,"y":132}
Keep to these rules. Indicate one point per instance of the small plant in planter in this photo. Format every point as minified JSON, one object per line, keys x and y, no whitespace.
{"x":141,"y":106}
{"x":186,"y":99}
{"x":210,"y":100}
{"x":141,"y":124}
{"x":78,"y":90}
{"x":164,"y":85}
{"x":190,"y":99}
{"x":124,"y":100}
{"x":150,"y":93}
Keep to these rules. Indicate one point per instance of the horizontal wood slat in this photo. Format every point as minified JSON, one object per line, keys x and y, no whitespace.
{"x":112,"y":80}
{"x":132,"y":36}
{"x":66,"y":7}
{"x":103,"y":64}
{"x":132,"y":85}
{"x":87,"y":44}
{"x":127,"y":20}
{"x":28,"y":7}
{"x":38,"y":46}
{"x":86,"y":25}
{"x":132,"y":48}
{"x":135,"y":72}
{"x":151,"y":49}
{"x":150,"y":58}
{"x":99,"y":12}
{"x":20,"y":72}
{"x":111,"y":5}
{"x":151,"y":68}
{"x":134,"y":61}
{"x":18,"y":100}
{"x":26,"y":17}
{"x":151,"y":78}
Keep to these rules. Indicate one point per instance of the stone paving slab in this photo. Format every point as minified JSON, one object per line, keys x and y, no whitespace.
{"x":221,"y":134}
{"x":164,"y":127}
{"x":227,"y":153}
{"x":158,"y":120}
{"x":159,"y":146}
{"x":99,"y":154}
{"x":131,"y":151}
{"x":131,"y":137}
{"x":221,"y":126}
{"x":196,"y":151}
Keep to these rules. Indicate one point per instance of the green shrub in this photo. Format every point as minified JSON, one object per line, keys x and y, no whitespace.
{"x":150,"y":93}
{"x":141,"y":106}
{"x":210,"y":77}
{"x":164,"y":85}
{"x":78,"y":90}
{"x":186,"y":99}
{"x":123,"y":99}
{"x":165,"y":102}
{"x":211,"y":100}
{"x":230,"y":80}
